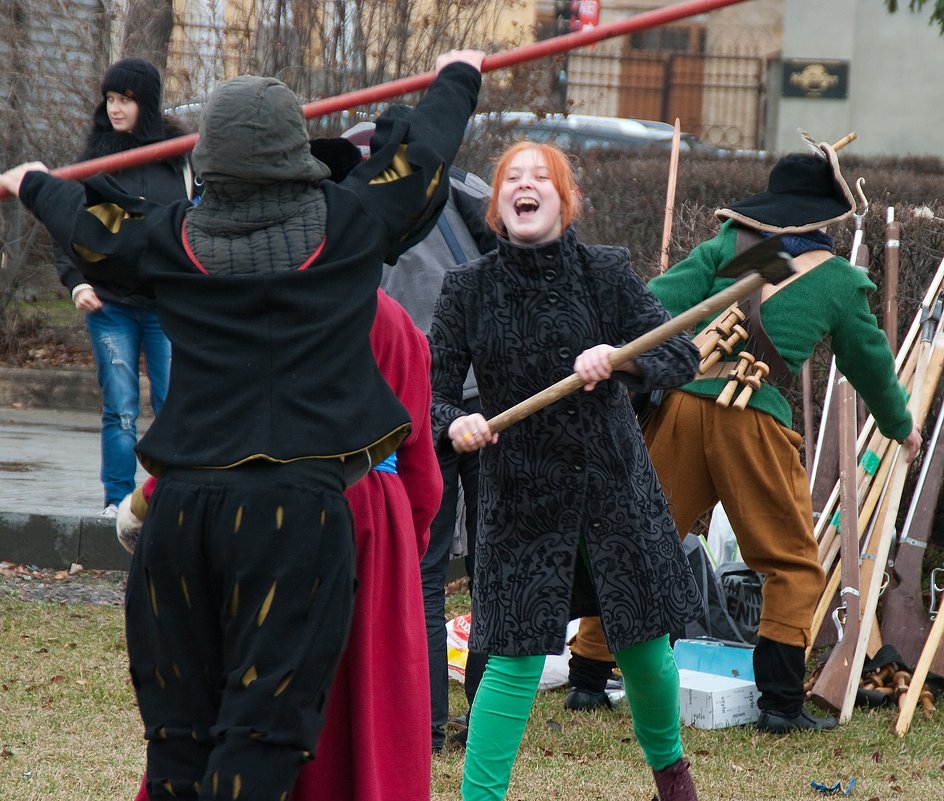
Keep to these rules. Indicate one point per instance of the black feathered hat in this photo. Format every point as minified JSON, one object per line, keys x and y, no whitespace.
{"x":805,"y":192}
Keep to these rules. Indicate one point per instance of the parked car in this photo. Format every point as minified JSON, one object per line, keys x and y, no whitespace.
{"x":583,"y":132}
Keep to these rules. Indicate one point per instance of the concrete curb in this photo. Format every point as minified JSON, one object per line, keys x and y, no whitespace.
{"x":59,"y":541}
{"x":50,"y":389}
{"x":75,"y":389}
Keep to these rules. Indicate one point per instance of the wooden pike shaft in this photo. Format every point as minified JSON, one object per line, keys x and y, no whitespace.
{"x":907,"y":710}
{"x":890,"y":284}
{"x":737,"y":291}
{"x":670,"y":198}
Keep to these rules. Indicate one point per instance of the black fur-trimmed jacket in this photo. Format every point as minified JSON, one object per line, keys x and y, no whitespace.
{"x":163,"y":182}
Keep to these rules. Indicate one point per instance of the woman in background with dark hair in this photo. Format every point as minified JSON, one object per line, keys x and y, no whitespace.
{"x":120,"y":317}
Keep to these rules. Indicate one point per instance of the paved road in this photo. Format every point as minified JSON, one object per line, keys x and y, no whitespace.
{"x":50,"y":493}
{"x":49,"y":462}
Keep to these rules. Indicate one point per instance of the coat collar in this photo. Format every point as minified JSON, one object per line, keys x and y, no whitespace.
{"x":539,"y":262}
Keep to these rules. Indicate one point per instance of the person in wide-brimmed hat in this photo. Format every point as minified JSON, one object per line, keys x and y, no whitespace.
{"x":805,"y":192}
{"x":748,"y":459}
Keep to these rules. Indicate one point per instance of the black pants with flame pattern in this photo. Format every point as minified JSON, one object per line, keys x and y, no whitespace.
{"x":238,"y":608}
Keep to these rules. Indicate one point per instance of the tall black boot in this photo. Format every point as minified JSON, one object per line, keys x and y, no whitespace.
{"x":588,"y":678}
{"x":778,"y":673}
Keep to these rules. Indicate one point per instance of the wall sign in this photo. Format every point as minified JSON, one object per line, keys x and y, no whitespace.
{"x":808,"y":78}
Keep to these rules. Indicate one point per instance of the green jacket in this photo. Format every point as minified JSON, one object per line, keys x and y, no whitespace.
{"x":830,"y":301}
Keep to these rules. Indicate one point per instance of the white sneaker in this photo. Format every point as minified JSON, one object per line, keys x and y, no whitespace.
{"x":109,"y":512}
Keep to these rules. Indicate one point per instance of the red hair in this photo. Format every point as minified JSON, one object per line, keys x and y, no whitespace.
{"x":559,"y":171}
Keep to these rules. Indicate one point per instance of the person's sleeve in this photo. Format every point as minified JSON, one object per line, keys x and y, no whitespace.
{"x":865,"y":359}
{"x":97,"y":223}
{"x":405,"y":182}
{"x":470,"y":201}
{"x":692,"y":280}
{"x":451,"y":359}
{"x":669,"y":364}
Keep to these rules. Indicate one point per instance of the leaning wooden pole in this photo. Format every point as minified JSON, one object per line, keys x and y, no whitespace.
{"x":401,"y":86}
{"x":670,"y":197}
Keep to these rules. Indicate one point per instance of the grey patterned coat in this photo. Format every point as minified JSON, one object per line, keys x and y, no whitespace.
{"x":578,"y":468}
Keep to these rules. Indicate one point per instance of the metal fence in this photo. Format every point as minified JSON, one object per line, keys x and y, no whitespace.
{"x":721,"y":98}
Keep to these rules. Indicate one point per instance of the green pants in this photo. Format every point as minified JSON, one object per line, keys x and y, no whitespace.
{"x":505,"y":697}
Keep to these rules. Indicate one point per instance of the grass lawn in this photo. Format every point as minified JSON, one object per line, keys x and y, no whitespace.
{"x":69,"y":730}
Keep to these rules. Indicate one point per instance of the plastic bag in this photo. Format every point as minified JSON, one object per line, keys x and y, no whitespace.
{"x":556,"y":666}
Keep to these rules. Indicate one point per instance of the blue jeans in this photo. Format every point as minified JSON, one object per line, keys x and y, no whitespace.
{"x":119,"y":333}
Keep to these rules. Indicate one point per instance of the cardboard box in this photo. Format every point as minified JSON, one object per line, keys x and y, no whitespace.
{"x":716,"y":702}
{"x":708,"y":655}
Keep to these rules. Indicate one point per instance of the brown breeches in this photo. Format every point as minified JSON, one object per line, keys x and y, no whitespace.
{"x":703,"y":454}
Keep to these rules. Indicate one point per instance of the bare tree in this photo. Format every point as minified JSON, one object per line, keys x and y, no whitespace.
{"x":54,"y":52}
{"x":937,"y":9}
{"x":148,"y":27}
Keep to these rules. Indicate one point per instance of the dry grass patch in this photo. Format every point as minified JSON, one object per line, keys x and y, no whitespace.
{"x":69,"y":729}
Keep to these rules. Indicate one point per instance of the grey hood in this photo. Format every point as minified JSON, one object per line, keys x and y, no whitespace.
{"x":253,"y":131}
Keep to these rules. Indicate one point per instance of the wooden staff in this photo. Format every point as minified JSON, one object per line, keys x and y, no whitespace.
{"x":908,"y":706}
{"x":833,"y":684}
{"x":765,"y":258}
{"x":890,"y":286}
{"x":670,"y":198}
{"x":809,"y":429}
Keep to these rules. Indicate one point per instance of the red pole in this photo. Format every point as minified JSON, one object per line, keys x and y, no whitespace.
{"x":401,"y":86}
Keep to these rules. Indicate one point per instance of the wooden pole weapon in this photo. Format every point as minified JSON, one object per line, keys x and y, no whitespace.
{"x":771,"y":265}
{"x":670,"y":198}
{"x":885,"y":525}
{"x":890,"y":285}
{"x":931,"y":647}
{"x":548,"y":47}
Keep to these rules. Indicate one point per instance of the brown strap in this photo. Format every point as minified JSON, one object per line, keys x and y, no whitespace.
{"x":759,"y":343}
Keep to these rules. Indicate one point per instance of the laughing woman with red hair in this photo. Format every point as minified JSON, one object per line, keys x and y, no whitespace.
{"x":571,"y":515}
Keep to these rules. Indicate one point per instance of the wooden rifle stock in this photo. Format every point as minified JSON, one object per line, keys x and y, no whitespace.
{"x":921,"y":393}
{"x":905,"y":622}
{"x":833,"y":684}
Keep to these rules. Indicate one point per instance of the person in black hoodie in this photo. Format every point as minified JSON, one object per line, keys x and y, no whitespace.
{"x":120,"y":316}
